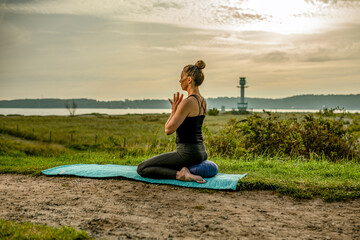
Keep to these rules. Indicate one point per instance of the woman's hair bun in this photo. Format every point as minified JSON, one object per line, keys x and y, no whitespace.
{"x":200,"y":64}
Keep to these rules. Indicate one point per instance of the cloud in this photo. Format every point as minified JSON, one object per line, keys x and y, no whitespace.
{"x":189,"y":13}
{"x":12,"y":34}
{"x":167,"y":5}
{"x":248,"y":16}
{"x":121,"y":49}
{"x":321,"y":55}
{"x":340,"y":44}
{"x":273,"y":57}
{"x":240,"y":13}
{"x":346,"y":3}
{"x":229,"y":15}
{"x":19,"y":1}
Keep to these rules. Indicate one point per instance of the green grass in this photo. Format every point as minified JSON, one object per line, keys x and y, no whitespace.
{"x":301,"y":179}
{"x":136,"y":129}
{"x":10,"y":230}
{"x":35,"y":164}
{"x":82,"y":130}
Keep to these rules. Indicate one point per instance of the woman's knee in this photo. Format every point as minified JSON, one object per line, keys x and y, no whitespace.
{"x":140,"y":169}
{"x":144,"y":170}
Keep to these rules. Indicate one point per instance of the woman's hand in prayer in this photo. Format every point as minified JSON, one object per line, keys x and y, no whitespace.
{"x":176,"y":101}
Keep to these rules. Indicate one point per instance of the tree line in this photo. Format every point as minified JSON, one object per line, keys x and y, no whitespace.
{"x":349,"y":102}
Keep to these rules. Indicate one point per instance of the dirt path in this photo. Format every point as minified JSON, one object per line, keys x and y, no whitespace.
{"x":120,"y":209}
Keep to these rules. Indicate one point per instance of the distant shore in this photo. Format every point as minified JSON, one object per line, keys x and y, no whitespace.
{"x":108,"y":111}
{"x":302,"y":102}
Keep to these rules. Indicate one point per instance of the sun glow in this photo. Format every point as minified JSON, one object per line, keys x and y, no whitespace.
{"x":283,"y":16}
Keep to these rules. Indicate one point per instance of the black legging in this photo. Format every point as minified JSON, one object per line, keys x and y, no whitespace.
{"x":166,"y":165}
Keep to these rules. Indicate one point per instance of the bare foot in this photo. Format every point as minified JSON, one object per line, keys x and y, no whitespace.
{"x":185,"y":175}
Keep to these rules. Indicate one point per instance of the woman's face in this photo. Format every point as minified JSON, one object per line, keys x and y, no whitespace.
{"x":183,"y":80}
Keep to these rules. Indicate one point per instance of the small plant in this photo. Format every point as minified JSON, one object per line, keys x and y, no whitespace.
{"x":331,"y":112}
{"x":71,"y":108}
{"x":213,"y":112}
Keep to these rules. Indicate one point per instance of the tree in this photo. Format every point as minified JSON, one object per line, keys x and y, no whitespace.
{"x":71,"y":108}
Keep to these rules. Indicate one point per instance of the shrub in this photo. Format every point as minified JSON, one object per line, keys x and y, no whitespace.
{"x":256,"y":135}
{"x":355,"y":126}
{"x":213,"y":112}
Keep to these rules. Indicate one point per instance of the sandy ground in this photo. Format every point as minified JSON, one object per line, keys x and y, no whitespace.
{"x":123,"y":209}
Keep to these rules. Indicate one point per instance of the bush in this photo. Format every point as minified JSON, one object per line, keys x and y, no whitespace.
{"x":213,"y":112}
{"x":354,"y":128}
{"x":256,"y":135}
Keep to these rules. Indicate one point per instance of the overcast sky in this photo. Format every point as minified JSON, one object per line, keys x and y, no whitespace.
{"x":123,"y":49}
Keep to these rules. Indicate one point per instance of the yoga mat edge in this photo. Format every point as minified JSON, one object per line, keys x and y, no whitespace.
{"x":220,"y":181}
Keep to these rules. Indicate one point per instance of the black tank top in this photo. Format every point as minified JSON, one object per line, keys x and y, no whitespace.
{"x":190,"y":129}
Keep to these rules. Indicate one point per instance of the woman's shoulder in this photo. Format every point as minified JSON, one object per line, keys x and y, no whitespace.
{"x":190,"y":100}
{"x":196,"y":97}
{"x":192,"y":103}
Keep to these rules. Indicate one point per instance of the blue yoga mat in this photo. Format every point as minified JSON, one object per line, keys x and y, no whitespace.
{"x":220,"y":181}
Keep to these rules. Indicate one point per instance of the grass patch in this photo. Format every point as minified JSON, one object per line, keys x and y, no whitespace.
{"x":35,"y":164}
{"x":301,"y":179}
{"x":13,"y":230}
{"x":13,"y":146}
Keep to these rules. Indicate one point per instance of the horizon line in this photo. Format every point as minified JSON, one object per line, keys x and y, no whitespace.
{"x":299,"y":95}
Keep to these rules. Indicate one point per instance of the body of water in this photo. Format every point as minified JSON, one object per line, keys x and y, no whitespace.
{"x":79,"y":111}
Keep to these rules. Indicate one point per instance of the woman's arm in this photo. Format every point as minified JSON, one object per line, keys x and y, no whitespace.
{"x":179,"y":111}
{"x":174,"y":104}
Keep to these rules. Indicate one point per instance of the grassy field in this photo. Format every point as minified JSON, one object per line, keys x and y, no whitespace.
{"x":136,"y":129}
{"x":28,"y":151}
{"x":30,"y":144}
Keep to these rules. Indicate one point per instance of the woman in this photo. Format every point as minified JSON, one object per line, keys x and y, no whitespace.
{"x":186,"y":119}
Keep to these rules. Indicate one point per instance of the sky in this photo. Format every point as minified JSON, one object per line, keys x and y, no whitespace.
{"x":124,"y":49}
